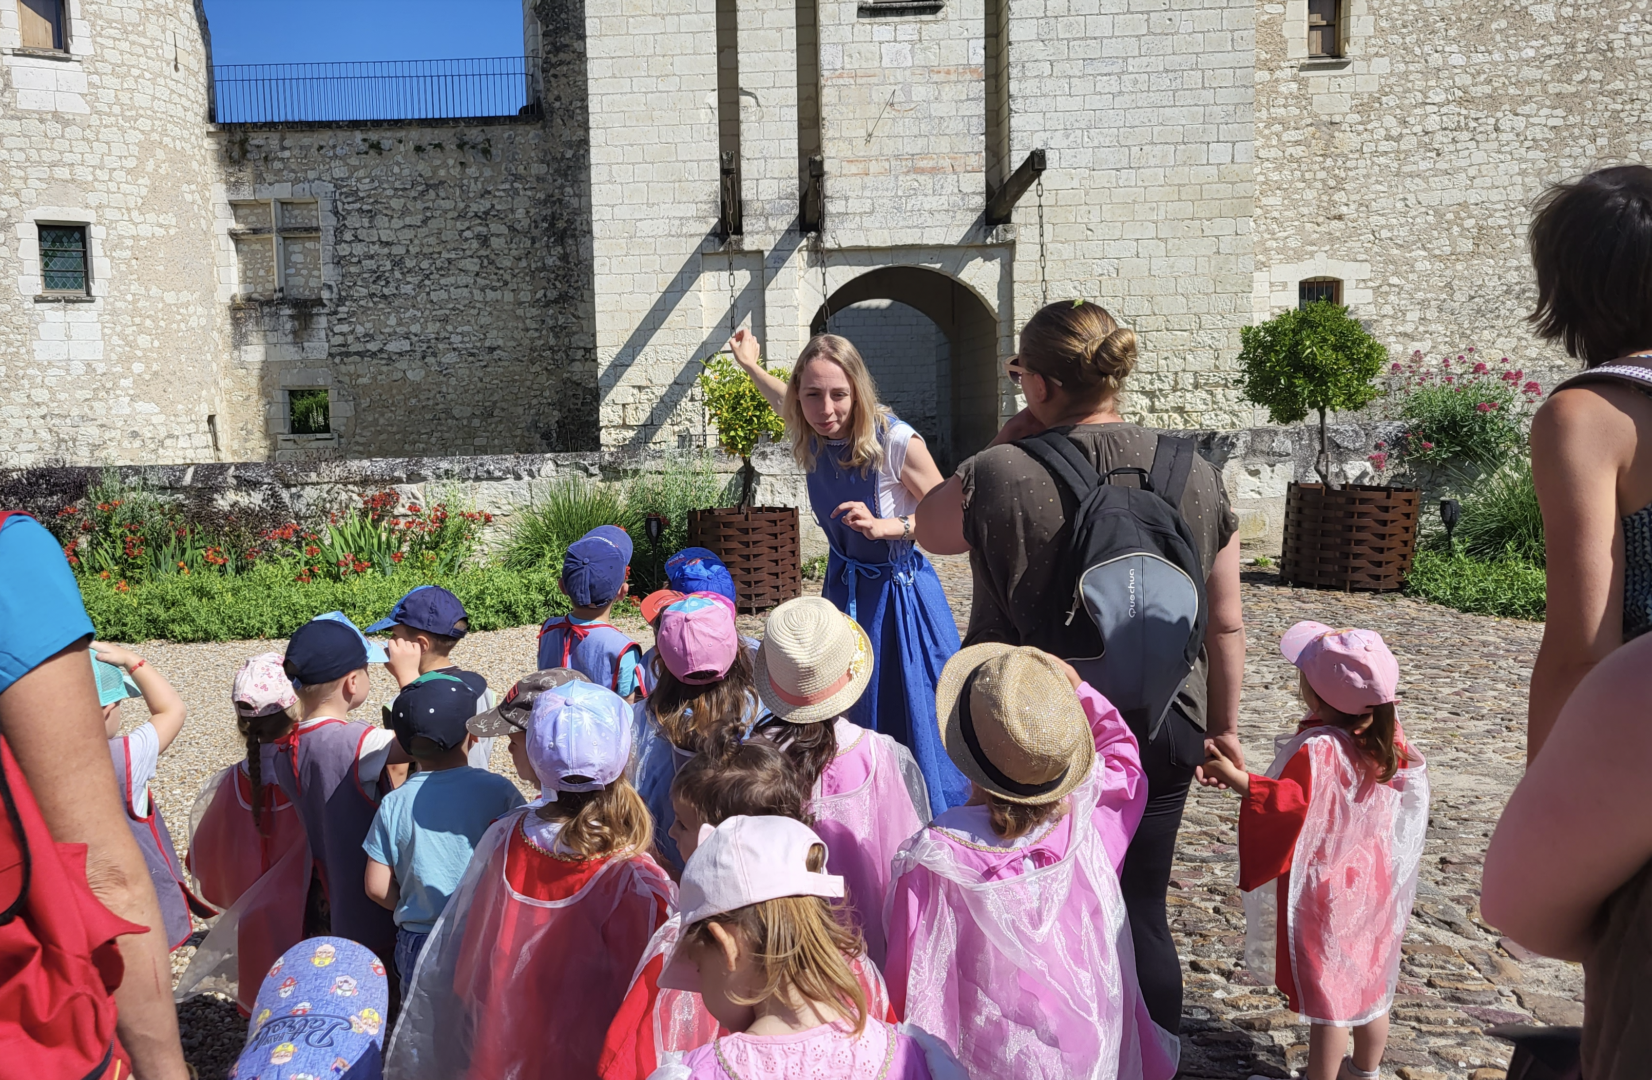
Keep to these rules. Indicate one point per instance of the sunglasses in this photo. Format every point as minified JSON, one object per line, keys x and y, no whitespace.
{"x":1015,"y":371}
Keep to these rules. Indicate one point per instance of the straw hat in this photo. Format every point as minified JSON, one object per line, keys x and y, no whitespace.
{"x":1012,"y":724}
{"x":814,"y":662}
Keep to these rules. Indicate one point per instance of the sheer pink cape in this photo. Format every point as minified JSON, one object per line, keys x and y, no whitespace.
{"x":1034,"y":975}
{"x":1352,"y":882}
{"x":867,"y":803}
{"x":530,"y":960}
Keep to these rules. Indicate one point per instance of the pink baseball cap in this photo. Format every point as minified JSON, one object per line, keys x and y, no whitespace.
{"x":1352,"y":671}
{"x":262,"y":687}
{"x":745,"y":860}
{"x":697,"y":639}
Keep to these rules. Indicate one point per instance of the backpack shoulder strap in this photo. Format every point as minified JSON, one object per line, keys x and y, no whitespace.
{"x":1056,"y":452}
{"x":1172,"y":463}
{"x":1637,"y":375}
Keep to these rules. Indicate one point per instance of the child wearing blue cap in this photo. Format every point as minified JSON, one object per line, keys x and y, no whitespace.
{"x":593,"y":578}
{"x":426,"y":830}
{"x":331,"y":769}
{"x":424,"y":626}
{"x":122,"y":673}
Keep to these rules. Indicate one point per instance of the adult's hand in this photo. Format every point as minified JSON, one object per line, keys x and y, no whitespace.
{"x":1023,"y":425}
{"x":859,"y":517}
{"x":1225,"y":746}
{"x":748,"y":352}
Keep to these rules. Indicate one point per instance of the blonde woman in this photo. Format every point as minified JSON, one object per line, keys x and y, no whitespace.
{"x":867,"y":472}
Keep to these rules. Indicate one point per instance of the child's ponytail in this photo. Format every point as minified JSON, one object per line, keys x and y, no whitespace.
{"x":1377,"y":741}
{"x":609,"y":821}
{"x":810,"y":747}
{"x":258,"y":730}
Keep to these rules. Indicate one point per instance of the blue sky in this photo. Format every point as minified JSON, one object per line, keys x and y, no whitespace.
{"x":296,"y":31}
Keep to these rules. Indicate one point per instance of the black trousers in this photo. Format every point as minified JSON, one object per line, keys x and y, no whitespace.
{"x":1169,"y":761}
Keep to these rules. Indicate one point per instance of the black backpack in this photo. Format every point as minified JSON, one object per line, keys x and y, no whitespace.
{"x":1134,"y":569}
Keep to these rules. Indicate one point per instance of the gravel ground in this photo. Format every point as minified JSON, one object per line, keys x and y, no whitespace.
{"x":1464,"y":680}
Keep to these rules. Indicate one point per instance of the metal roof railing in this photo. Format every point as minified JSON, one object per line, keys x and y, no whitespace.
{"x":371,"y":90}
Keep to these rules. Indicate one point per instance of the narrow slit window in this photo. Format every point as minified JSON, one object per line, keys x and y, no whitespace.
{"x":42,"y":23}
{"x":1324,"y":28}
{"x":1314,"y":290}
{"x":309,"y":412}
{"x":63,"y":258}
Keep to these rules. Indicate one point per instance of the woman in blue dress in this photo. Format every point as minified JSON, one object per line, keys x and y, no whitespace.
{"x":867,"y":472}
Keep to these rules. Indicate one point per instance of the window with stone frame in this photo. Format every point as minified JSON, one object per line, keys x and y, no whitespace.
{"x":44,"y":24}
{"x":1325,"y":24}
{"x":278,"y":248}
{"x":64,"y":266}
{"x":309,"y":412}
{"x":1314,"y":290}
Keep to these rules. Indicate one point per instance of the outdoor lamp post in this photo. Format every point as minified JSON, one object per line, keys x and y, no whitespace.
{"x":1450,"y":511}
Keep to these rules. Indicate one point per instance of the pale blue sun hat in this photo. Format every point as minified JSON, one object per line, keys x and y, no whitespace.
{"x":114,"y":684}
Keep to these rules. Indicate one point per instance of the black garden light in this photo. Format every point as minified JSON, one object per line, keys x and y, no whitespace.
{"x":1450,"y":511}
{"x":655,"y":527}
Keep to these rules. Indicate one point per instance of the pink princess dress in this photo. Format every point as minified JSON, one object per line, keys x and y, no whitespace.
{"x":868,"y":801}
{"x":1341,"y":851}
{"x":1018,"y":953}
{"x":882,"y":1051}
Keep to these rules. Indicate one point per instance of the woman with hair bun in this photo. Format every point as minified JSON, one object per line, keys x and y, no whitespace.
{"x":1007,"y":511}
{"x":867,"y":471}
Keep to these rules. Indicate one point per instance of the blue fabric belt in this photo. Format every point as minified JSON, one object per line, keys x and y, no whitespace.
{"x":900,"y":571}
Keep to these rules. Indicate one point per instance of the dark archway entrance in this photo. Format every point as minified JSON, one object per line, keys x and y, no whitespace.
{"x":963,"y":345}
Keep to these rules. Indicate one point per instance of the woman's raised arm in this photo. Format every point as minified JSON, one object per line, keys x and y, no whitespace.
{"x":748,"y":352}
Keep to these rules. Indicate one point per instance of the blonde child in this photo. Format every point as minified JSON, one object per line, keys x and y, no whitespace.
{"x":770,"y":957}
{"x":1330,"y":839}
{"x":1006,"y":926}
{"x":750,"y":778}
{"x":122,"y":673}
{"x":703,"y":699}
{"x":593,"y":578}
{"x":866,"y":793}
{"x":531,"y":958}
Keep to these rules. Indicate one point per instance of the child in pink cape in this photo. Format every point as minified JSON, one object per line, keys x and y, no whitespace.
{"x":530,"y":960}
{"x":750,"y":778}
{"x":768,"y":953}
{"x":1007,"y":931}
{"x":867,"y":794}
{"x":1335,"y":829}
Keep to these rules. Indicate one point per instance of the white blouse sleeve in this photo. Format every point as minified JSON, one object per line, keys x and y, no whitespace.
{"x":893,"y":497}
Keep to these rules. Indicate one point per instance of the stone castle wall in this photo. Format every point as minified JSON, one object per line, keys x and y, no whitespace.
{"x":107,"y":135}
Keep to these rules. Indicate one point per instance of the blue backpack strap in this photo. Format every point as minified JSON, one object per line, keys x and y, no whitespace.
{"x":1172,"y":463}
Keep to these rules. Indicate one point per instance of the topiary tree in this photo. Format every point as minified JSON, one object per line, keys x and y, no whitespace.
{"x":743,"y":416}
{"x":1310,"y":358}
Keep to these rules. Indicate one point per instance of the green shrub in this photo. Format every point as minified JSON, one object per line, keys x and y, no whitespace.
{"x":1467,"y":413}
{"x":742,"y":414}
{"x":266,"y":602}
{"x":1501,"y":518}
{"x":541,"y":532}
{"x":1310,"y":359}
{"x":685,"y":484}
{"x":1508,"y":587}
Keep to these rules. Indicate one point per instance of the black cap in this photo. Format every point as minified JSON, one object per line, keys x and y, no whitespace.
{"x":322,"y":650}
{"x":435,"y":706}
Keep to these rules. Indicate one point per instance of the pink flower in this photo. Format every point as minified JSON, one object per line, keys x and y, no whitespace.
{"x":1471,"y":348}
{"x":1450,"y":378}
{"x":1379,"y":459}
{"x":1396,"y":369}
{"x":1486,"y":406}
{"x":1518,"y":375}
{"x":1382,"y":446}
{"x":1427,"y":445}
{"x":1505,"y":359}
{"x":1447,"y":361}
{"x":1481,"y":368}
{"x":1532,"y":388}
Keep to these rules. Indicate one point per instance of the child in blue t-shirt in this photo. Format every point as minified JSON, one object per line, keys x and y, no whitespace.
{"x":593,"y":578}
{"x":424,"y":833}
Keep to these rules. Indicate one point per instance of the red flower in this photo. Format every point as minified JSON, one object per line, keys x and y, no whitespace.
{"x":397,"y":557}
{"x":67,"y":510}
{"x":413,"y":508}
{"x":1486,"y":406}
{"x":1470,"y":349}
{"x":312,"y":551}
{"x":104,"y":507}
{"x":86,"y":526}
{"x":120,"y":586}
{"x":361,"y":567}
{"x":303,"y":579}
{"x":1532,"y":387}
{"x":104,"y":575}
{"x":1379,"y":459}
{"x":1481,"y":368}
{"x":1427,"y":445}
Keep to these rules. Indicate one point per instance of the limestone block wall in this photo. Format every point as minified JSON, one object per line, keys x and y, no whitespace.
{"x":435,"y":280}
{"x":1407,"y":166}
{"x":105,"y":134}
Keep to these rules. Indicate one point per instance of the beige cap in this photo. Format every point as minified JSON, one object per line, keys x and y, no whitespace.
{"x":1012,"y":724}
{"x":814,"y":662}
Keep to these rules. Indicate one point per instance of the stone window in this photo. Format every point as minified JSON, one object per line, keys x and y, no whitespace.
{"x":63,"y":262}
{"x":1314,"y":290}
{"x":278,"y":248}
{"x":44,"y":24}
{"x":1325,"y":25}
{"x":309,"y":412}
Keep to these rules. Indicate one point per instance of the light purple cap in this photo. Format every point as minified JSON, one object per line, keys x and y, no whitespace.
{"x":579,"y":738}
{"x":697,"y":639}
{"x":1352,"y":671}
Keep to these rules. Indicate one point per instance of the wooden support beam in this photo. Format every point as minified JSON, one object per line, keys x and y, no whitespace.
{"x":1001,"y":203}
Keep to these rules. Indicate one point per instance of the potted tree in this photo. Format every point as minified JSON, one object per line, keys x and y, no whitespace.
{"x":1349,"y":536}
{"x":760,"y":544}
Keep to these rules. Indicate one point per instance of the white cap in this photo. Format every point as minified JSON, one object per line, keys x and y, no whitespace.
{"x":578,"y":730}
{"x":744,"y":861}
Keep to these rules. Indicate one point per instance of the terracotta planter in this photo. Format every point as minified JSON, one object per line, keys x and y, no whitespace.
{"x":1351,"y":537}
{"x":760,"y":544}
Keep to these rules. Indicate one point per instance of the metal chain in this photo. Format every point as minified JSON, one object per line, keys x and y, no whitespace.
{"x":825,"y":287}
{"x":1043,"y":254}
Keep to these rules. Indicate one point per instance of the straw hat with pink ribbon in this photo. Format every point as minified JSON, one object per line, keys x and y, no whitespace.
{"x":814,"y":662}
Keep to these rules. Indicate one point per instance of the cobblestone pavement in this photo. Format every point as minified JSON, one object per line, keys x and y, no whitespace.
{"x":1463,"y":685}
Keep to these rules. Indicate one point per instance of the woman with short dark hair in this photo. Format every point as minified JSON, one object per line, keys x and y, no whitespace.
{"x":1009,"y":514}
{"x":1591,"y":243}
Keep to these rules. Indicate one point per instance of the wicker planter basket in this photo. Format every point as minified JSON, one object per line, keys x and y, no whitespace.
{"x":1352,"y":537}
{"x":760,"y":545}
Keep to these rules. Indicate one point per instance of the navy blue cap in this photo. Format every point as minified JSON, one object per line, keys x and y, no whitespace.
{"x":594,"y":567}
{"x":436,"y":706}
{"x":430,"y":608}
{"x":323,"y":650}
{"x":698,"y":569}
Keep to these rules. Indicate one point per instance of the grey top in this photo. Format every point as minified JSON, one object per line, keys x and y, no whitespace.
{"x":1017,"y":530}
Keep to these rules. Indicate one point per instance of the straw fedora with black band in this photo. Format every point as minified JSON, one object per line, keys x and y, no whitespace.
{"x":814,"y":661}
{"x":1011,"y":723}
